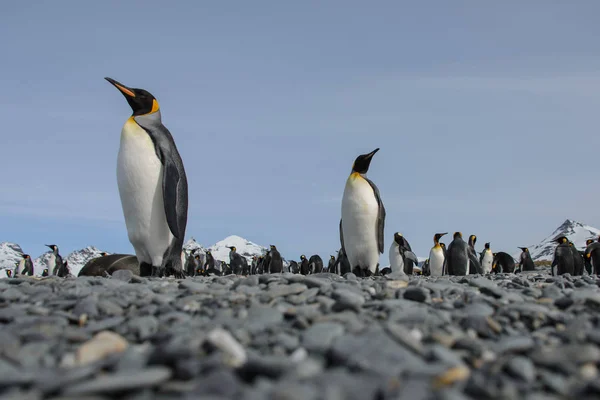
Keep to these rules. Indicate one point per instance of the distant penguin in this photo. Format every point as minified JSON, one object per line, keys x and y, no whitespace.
{"x":315,"y":264}
{"x":55,"y":261}
{"x":457,"y":261}
{"x":238,"y":263}
{"x":259,"y":264}
{"x":525,"y":261}
{"x":425,"y":268}
{"x":363,"y":219}
{"x":399,"y":255}
{"x":25,"y":265}
{"x":304,"y":266}
{"x":587,"y":260}
{"x":294,"y":267}
{"x":486,"y":259}
{"x":152,"y":185}
{"x":276,"y":262}
{"x":9,"y":272}
{"x":563,"y":262}
{"x":342,"y":262}
{"x":45,"y":272}
{"x":474,"y":264}
{"x":191,"y":263}
{"x":253,"y":265}
{"x":503,"y":263}
{"x":64,"y":271}
{"x":210,"y":261}
{"x":592,"y":257}
{"x":437,"y":258}
{"x":332,"y":266}
{"x":577,"y":260}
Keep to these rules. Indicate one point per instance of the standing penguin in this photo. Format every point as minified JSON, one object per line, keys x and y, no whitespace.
{"x":332,"y":266}
{"x":474,"y":264}
{"x":294,"y":268}
{"x":55,"y":262}
{"x":577,"y":260}
{"x":64,"y":270}
{"x":363,"y":219}
{"x":437,"y":256}
{"x":587,"y":257}
{"x":525,"y":261}
{"x":191,"y":264}
{"x":486,"y":259}
{"x":152,"y":186}
{"x":45,"y":272}
{"x":304,"y":266}
{"x":563,"y":258}
{"x":21,"y":268}
{"x":592,"y":257}
{"x":400,"y":254}
{"x":315,"y":263}
{"x":276,"y":262}
{"x":238,"y":263}
{"x":457,"y":260}
{"x":210,"y":261}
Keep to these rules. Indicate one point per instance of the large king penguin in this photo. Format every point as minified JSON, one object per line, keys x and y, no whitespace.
{"x":152,"y":186}
{"x":363,"y":219}
{"x":562,"y":262}
{"x":474,"y":264}
{"x":437,"y":256}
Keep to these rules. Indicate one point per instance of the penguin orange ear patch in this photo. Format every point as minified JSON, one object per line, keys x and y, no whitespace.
{"x":154,"y":106}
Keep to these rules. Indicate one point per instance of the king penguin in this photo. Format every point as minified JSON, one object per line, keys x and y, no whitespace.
{"x":55,"y":262}
{"x":563,"y":257}
{"x":577,"y":260}
{"x":474,"y":264}
{"x":437,"y":256}
{"x":363,"y":219}
{"x":276,"y":262}
{"x":332,"y":266}
{"x":525,"y":260}
{"x":592,"y":257}
{"x":457,"y":259}
{"x":152,"y":186}
{"x":486,"y":259}
{"x":400,"y":254}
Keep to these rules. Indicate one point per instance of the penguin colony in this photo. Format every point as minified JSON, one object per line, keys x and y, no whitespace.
{"x":154,"y":196}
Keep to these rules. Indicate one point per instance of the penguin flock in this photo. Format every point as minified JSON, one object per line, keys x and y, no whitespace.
{"x":56,"y":265}
{"x":153,"y":190}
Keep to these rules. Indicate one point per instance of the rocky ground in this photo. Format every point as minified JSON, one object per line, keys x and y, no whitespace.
{"x":528,"y":336}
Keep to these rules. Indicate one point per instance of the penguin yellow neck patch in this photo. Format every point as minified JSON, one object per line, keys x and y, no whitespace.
{"x":155,"y":107}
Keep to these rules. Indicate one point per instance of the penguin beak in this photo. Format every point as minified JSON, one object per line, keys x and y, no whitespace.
{"x":47,"y":245}
{"x":127,"y":92}
{"x":371,"y":154}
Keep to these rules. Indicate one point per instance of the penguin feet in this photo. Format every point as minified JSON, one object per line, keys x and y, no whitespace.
{"x":158,"y":272}
{"x":178,"y":273}
{"x":145,"y":269}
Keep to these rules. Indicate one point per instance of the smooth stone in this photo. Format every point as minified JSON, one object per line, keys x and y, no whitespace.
{"x":148,"y":377}
{"x":417,"y":294}
{"x":347,"y":300}
{"x":319,"y":337}
{"x":123,"y":275}
{"x":521,"y":367}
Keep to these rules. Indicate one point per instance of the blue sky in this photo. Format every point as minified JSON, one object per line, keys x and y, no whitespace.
{"x":486,"y":116}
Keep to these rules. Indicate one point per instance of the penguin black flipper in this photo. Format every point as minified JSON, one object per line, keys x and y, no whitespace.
{"x":411,"y":256}
{"x":170,"y":183}
{"x":341,"y":234}
{"x":380,"y":215}
{"x":474,"y":262}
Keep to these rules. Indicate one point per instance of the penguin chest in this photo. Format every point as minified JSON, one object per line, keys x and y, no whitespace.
{"x":486,"y":262}
{"x":436,"y":261}
{"x":396,"y":261}
{"x":51,"y":264}
{"x":139,"y":177}
{"x":359,"y":221}
{"x":21,"y":266}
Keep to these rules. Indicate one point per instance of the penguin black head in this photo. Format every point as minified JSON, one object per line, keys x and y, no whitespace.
{"x":232,"y":248}
{"x":589,"y":241}
{"x":438,"y":236}
{"x":525,"y":249}
{"x":103,"y":253}
{"x":52,"y":246}
{"x":208,"y":252}
{"x":302,"y":257}
{"x":487,"y":245}
{"x":141,"y":101}
{"x":398,"y":238}
{"x":25,"y":256}
{"x":332,"y":258}
{"x":473,"y":238}
{"x":362,"y":162}
{"x":9,"y":273}
{"x":45,"y":271}
{"x":197,"y":256}
{"x":561,"y":239}
{"x":443,"y":245}
{"x":457,"y":235}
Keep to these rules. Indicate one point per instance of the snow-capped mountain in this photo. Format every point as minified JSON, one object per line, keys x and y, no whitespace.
{"x":191,"y":245}
{"x":10,"y":254}
{"x":244,"y":247}
{"x":575,"y":231}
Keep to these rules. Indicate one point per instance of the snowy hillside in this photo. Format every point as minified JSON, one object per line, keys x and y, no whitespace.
{"x":244,"y":247}
{"x":10,"y":254}
{"x":575,"y":231}
{"x":191,"y":245}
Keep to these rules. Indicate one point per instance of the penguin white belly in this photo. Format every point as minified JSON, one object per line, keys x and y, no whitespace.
{"x":396,"y":261}
{"x":139,"y":177}
{"x":51,"y":264}
{"x":21,"y":266}
{"x":436,"y":262}
{"x":359,"y":223}
{"x":486,"y":262}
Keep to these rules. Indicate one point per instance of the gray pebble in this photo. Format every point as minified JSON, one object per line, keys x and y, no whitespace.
{"x":149,"y":377}
{"x":319,"y":337}
{"x":347,"y":300}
